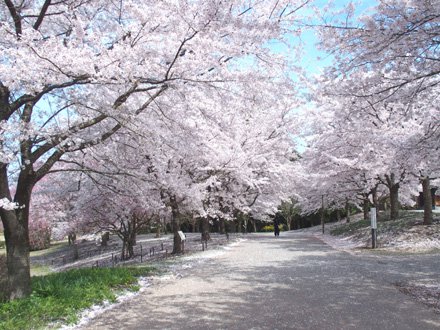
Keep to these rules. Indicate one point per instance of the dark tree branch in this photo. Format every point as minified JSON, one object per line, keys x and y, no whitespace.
{"x":15,"y":16}
{"x":42,"y":14}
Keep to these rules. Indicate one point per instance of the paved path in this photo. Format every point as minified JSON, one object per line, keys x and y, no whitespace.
{"x":293,"y":282}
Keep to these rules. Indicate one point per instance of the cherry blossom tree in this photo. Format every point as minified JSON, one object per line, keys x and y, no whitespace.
{"x":358,"y":144}
{"x":73,"y":73}
{"x":379,"y":98}
{"x":396,"y":42}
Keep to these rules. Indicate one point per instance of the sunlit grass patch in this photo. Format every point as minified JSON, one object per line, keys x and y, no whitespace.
{"x":54,"y":247}
{"x":60,"y":297}
{"x":350,"y":227}
{"x":40,"y":270}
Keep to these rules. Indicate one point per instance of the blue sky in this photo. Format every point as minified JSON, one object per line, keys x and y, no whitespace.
{"x":314,"y":60}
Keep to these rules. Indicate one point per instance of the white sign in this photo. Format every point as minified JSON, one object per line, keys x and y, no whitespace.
{"x":182,"y":235}
{"x":373,"y":218}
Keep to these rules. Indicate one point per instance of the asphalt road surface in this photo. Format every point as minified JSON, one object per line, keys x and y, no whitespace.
{"x":292,"y":282}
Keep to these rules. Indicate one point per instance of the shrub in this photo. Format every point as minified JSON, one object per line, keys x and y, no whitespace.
{"x":39,"y":235}
{"x":268,"y":228}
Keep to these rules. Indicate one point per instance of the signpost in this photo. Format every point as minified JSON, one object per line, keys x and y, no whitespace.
{"x":182,"y":235}
{"x":373,"y":227}
{"x":182,"y":239}
{"x":322,"y":214}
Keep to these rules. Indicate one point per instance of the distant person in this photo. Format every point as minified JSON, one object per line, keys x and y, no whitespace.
{"x":276,"y":228}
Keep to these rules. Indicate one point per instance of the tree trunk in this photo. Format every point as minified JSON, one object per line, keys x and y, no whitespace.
{"x":194,"y":221}
{"x":394,"y":202}
{"x":164,"y":227}
{"x":105,"y":238}
{"x":394,"y":195}
{"x":427,"y":201}
{"x":205,"y":229}
{"x":347,"y":211}
{"x":239,"y":224}
{"x":71,"y":238}
{"x":366,"y":207}
{"x":158,"y":227}
{"x":75,"y":251}
{"x":16,"y":232}
{"x":254,"y":225}
{"x":133,"y":231}
{"x":221,"y":226}
{"x":338,"y":215}
{"x":17,"y":254}
{"x":175,"y":223}
{"x":129,"y":239}
{"x":215,"y":225}
{"x":127,"y":247}
{"x":245,"y":220}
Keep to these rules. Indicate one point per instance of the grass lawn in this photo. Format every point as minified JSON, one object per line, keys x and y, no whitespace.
{"x":58,"y":298}
{"x":405,"y":221}
{"x":36,"y":270}
{"x":54,"y":247}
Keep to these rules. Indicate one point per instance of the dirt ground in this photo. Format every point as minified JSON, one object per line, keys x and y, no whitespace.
{"x":404,"y":237}
{"x":295,"y":281}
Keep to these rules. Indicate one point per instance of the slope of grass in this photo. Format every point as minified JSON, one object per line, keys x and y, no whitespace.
{"x":349,"y":228}
{"x":60,"y":297}
{"x":406,"y":220}
{"x":54,"y":247}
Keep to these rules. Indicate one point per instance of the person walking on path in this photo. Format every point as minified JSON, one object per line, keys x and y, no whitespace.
{"x":276,"y":228}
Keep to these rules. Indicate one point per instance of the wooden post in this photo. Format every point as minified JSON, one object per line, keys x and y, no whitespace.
{"x":373,"y":227}
{"x":322,"y":213}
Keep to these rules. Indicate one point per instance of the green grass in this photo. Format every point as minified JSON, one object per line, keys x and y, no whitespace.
{"x":350,"y":227}
{"x":54,"y":247}
{"x":40,"y":270}
{"x":405,"y":221}
{"x":59,"y":297}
